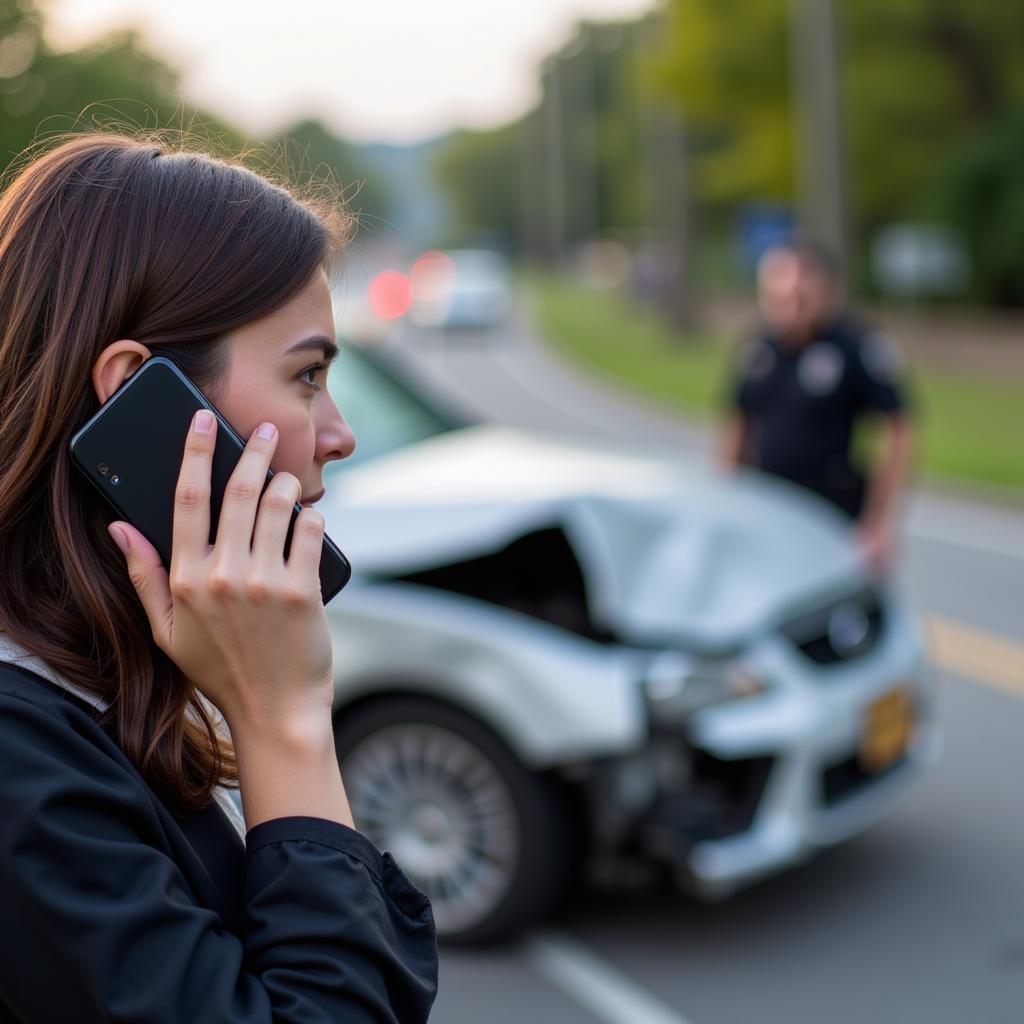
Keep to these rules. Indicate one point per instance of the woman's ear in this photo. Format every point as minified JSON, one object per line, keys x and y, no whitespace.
{"x":118,"y":361}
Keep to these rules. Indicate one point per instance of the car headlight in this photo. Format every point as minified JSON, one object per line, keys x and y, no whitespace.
{"x":676,"y":685}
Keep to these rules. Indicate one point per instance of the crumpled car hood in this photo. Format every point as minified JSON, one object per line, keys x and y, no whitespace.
{"x":669,"y":554}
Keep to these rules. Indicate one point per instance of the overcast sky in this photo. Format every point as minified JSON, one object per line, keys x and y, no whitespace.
{"x":392,"y":70}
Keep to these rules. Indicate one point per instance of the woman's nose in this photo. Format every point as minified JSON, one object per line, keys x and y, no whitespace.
{"x":334,"y":437}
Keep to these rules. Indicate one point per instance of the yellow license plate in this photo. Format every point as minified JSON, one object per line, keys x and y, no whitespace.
{"x":887,"y":731}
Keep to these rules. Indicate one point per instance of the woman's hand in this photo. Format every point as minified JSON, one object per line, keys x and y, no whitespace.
{"x":245,"y":625}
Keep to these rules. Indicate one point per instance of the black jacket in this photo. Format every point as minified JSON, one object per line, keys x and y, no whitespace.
{"x":114,"y":909}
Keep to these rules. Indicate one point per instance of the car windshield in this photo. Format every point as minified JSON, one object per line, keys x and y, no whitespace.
{"x":382,"y":410}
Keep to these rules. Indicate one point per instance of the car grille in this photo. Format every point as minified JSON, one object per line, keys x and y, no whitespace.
{"x":841,"y":631}
{"x":722,"y":801}
{"x":848,"y":777}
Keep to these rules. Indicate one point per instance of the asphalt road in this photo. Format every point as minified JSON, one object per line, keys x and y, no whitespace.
{"x":920,"y":920}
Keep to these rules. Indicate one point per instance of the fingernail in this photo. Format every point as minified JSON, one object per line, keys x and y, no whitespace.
{"x":266,"y":431}
{"x":204,"y":421}
{"x":119,"y":537}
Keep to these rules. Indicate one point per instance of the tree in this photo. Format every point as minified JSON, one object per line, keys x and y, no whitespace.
{"x":490,"y":175}
{"x":116,"y":83}
{"x":726,"y":63}
{"x":920,"y":78}
{"x":481,"y":171}
{"x":311,"y":151}
{"x":981,"y":192}
{"x":112,"y":83}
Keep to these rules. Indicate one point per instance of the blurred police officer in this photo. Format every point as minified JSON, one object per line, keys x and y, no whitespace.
{"x":802,"y":383}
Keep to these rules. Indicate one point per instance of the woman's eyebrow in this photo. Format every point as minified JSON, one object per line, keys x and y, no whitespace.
{"x":318,"y":341}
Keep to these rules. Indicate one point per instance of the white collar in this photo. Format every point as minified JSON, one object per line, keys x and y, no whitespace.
{"x":15,"y":654}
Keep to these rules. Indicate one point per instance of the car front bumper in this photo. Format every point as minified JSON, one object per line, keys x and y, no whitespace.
{"x":794,"y":823}
{"x":794,"y":755}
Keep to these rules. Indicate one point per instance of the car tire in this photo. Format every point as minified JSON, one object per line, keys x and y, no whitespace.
{"x":486,"y":839}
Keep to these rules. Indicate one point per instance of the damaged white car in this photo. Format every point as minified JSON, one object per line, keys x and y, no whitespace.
{"x":552,"y":661}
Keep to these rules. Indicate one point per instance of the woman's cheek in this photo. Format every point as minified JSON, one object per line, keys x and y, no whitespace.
{"x":295,"y":450}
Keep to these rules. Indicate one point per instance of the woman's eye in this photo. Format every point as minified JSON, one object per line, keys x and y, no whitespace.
{"x":313,"y":375}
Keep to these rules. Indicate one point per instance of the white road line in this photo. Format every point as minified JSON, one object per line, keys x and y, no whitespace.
{"x":594,"y":983}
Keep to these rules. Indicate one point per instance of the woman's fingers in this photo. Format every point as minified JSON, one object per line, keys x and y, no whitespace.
{"x":191,"y":532}
{"x":246,"y":627}
{"x":242,"y":497}
{"x":307,"y":545}
{"x":149,"y":577}
{"x":275,"y":513}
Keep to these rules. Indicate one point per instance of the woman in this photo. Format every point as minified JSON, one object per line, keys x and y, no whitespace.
{"x":126,"y":892}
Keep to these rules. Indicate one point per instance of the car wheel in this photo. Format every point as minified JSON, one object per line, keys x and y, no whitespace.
{"x":486,"y":839}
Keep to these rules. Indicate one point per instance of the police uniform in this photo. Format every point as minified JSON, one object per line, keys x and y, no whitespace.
{"x":800,"y":405}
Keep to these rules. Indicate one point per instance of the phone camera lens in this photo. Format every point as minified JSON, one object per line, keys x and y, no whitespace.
{"x":103,"y":469}
{"x":115,"y":479}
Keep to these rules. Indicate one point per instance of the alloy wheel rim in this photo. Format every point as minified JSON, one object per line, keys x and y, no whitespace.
{"x":439,"y":805}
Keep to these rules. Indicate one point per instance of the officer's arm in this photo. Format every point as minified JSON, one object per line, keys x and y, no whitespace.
{"x":889,"y":481}
{"x":877,"y":378}
{"x":732,"y":448}
{"x":732,"y":440}
{"x":891,"y":474}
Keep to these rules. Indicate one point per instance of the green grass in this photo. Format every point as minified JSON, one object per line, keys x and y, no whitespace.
{"x":972,"y":426}
{"x":627,"y":343}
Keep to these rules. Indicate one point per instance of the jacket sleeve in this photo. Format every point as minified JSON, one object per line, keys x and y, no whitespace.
{"x":99,"y":924}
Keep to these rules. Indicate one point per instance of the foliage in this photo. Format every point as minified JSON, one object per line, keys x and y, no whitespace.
{"x":309,"y":151}
{"x":915,"y":74}
{"x":981,"y":192}
{"x":598,"y":121}
{"x":929,"y":89}
{"x":613,"y":336}
{"x":605,"y":124}
{"x":114,"y":83}
{"x":117,"y":84}
{"x":726,"y":62}
{"x":919,"y":78}
{"x":480,"y":171}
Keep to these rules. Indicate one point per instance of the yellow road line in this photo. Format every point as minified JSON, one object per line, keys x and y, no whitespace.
{"x":981,"y":655}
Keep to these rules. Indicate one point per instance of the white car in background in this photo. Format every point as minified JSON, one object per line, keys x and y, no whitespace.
{"x":555,"y":661}
{"x":460,"y":288}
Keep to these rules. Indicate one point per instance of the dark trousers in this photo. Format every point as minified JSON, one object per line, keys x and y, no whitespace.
{"x":846,"y":493}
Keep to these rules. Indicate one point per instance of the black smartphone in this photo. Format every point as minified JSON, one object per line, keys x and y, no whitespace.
{"x":132,"y":448}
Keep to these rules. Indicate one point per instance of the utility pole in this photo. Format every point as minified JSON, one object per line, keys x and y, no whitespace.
{"x":669,"y":191}
{"x":532,"y":187}
{"x":553,"y":168}
{"x":673,"y":209}
{"x":819,"y":131}
{"x":579,"y":107}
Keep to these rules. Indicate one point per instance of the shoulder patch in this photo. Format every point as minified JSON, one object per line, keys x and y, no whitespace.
{"x":881,"y":357}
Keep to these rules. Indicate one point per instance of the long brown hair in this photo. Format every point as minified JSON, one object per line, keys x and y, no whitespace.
{"x":104,"y":237}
